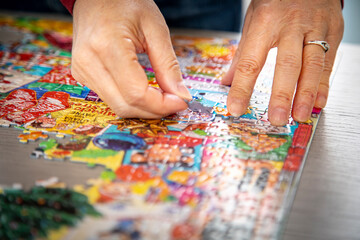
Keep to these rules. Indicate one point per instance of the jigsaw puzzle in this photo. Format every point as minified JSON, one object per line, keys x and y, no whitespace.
{"x":197,"y":174}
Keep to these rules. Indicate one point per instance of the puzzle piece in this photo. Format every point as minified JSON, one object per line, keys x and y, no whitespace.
{"x":5,"y":123}
{"x":60,"y":75}
{"x":81,"y":118}
{"x":17,"y":100}
{"x":52,"y":182}
{"x":198,"y":107}
{"x":31,"y":136}
{"x":9,"y":80}
{"x":49,"y":102}
{"x":80,"y":150}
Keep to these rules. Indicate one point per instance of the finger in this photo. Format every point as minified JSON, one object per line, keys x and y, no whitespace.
{"x":104,"y":88}
{"x":313,"y":65}
{"x":163,"y":60}
{"x":229,"y":76}
{"x":101,"y":81}
{"x":323,"y":90}
{"x":287,"y":71}
{"x":131,"y":80}
{"x":118,"y":105}
{"x":251,"y":60}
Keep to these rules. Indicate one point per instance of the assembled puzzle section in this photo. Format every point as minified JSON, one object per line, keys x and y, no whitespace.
{"x":197,"y":174}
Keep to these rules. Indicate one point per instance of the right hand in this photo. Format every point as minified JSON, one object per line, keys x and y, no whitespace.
{"x":107,"y":36}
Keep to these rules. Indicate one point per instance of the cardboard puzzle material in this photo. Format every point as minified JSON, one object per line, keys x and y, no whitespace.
{"x":197,"y":174}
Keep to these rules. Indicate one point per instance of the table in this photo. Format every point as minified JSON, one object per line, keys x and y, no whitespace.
{"x":326,"y":205}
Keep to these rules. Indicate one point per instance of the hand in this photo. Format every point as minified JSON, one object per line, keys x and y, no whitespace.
{"x":286,"y":25}
{"x":107,"y":36}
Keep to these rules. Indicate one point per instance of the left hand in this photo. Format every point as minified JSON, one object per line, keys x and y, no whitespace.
{"x":287,"y":25}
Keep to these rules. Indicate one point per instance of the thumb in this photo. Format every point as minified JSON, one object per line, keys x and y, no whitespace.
{"x":164,"y":62}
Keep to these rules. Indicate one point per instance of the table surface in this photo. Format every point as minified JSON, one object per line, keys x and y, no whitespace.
{"x":326,"y":205}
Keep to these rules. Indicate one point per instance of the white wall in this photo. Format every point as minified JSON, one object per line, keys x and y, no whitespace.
{"x":351,"y":14}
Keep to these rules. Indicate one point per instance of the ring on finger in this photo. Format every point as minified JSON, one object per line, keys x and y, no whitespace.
{"x":322,"y":44}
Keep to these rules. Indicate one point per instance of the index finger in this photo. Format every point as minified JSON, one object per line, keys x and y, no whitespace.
{"x":252,"y":57}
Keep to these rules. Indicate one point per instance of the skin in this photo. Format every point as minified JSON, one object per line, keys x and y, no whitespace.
{"x":108,"y":34}
{"x":287,"y":25}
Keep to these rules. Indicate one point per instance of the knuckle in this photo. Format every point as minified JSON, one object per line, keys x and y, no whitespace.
{"x":289,"y":61}
{"x":248,"y":66}
{"x":238,"y":90}
{"x":282,"y":96}
{"x":99,"y":41}
{"x":134,"y":98}
{"x":328,"y":66}
{"x":318,"y":15}
{"x":121,"y":111}
{"x":314,"y":61}
{"x":80,"y":57}
{"x":340,"y":25}
{"x":97,"y":45}
{"x":308,"y":94}
{"x":264,"y":13}
{"x":336,"y":22}
{"x":172,"y":64}
{"x":324,"y":85}
{"x":294,"y":12}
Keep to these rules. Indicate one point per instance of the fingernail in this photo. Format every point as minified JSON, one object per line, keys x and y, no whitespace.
{"x":236,"y":108}
{"x":321,"y":101}
{"x":226,"y":80}
{"x":302,"y":113}
{"x":183,"y":92}
{"x":279,"y":116}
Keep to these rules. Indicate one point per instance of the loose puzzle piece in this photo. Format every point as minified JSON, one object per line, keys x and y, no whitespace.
{"x":5,"y":123}
{"x":52,"y":182}
{"x":31,"y":136}
{"x":197,"y":174}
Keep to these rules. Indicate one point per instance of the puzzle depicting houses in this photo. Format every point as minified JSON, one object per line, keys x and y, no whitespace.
{"x":197,"y":174}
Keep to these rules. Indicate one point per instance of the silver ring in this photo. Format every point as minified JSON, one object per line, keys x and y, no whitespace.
{"x":322,"y":44}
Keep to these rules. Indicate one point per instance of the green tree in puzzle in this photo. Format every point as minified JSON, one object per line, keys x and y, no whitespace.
{"x":27,"y":215}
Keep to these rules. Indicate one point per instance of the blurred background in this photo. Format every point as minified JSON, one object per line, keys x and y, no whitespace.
{"x":350,"y":12}
{"x":352,"y":21}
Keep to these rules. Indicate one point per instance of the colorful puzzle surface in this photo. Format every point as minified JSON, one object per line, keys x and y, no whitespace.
{"x":198,"y":174}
